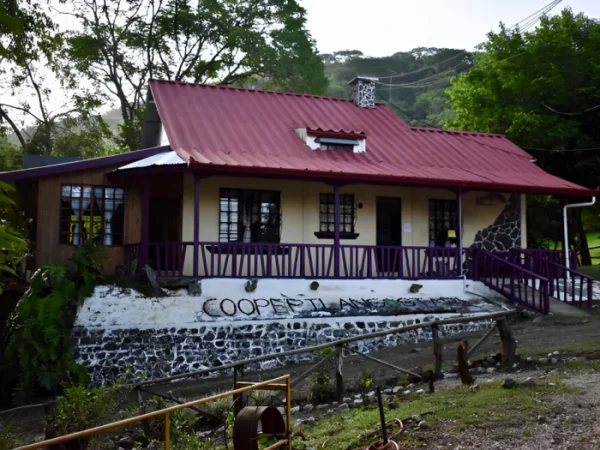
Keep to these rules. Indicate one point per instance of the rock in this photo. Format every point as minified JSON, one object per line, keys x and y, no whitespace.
{"x":556,"y":353}
{"x":541,"y":419}
{"x":450,"y":375}
{"x":406,"y":392}
{"x":538,"y":319}
{"x":310,"y":420}
{"x":330,"y":412}
{"x":343,"y":407}
{"x":554,"y":361}
{"x":509,"y":383}
{"x":415,"y":350}
{"x":420,"y":391}
{"x":371,"y":397}
{"x":414,"y":288}
{"x":195,"y":288}
{"x":423,"y":424}
{"x":544,"y":360}
{"x":394,"y":405}
{"x":474,"y":387}
{"x":396,"y":389}
{"x":295,"y":409}
{"x":490,"y":369}
{"x":346,"y":400}
{"x":251,"y":285}
{"x":416,"y":418}
{"x":529,"y":383}
{"x":388,"y":391}
{"x":320,"y":407}
{"x":529,"y":358}
{"x":358,"y":402}
{"x":126,"y":442}
{"x":314,"y":285}
{"x":551,"y":384}
{"x":308,"y":407}
{"x":334,"y":404}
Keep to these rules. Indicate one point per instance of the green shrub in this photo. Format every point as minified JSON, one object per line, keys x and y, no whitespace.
{"x":9,"y":439}
{"x":13,"y":247}
{"x":365,"y":382}
{"x":37,"y":356}
{"x":321,"y":386}
{"x":80,"y":408}
{"x":184,"y":436}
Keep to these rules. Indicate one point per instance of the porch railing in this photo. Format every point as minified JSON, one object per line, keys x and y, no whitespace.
{"x":275,"y":260}
{"x":567,"y":285}
{"x":514,"y":281}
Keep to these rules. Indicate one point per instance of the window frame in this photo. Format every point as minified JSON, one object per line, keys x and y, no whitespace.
{"x":347,"y":217}
{"x":68,"y":237}
{"x":439,"y":208}
{"x":247,"y":197}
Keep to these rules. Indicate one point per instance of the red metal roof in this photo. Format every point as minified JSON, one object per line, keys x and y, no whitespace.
{"x":252,"y":131}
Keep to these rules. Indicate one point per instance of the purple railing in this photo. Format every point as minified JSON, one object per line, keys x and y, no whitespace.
{"x":567,"y":285}
{"x":259,"y":260}
{"x":556,"y":256}
{"x":512,"y":280}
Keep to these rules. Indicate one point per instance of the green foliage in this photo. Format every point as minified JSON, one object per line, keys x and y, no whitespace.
{"x":12,"y":245}
{"x":365,"y":382}
{"x":38,"y":355}
{"x":320,"y":385}
{"x":418,"y":103}
{"x":80,"y":408}
{"x":184,"y":437}
{"x":11,"y":157}
{"x":539,"y":89}
{"x":9,"y":439}
{"x":232,"y":42}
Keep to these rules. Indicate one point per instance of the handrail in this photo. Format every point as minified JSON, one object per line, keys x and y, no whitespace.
{"x":162,"y":412}
{"x":553,"y":263}
{"x":339,"y":342}
{"x":510,"y":263}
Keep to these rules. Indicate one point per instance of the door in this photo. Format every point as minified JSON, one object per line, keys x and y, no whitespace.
{"x":166,"y":256}
{"x":389,"y":234}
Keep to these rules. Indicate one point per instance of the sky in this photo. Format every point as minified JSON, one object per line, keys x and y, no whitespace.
{"x":383,"y":27}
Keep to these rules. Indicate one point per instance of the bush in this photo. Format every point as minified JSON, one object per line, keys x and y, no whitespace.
{"x":80,"y":408}
{"x":321,"y":386}
{"x":13,"y":246}
{"x":37,"y":352}
{"x":365,"y":382}
{"x":9,"y":439}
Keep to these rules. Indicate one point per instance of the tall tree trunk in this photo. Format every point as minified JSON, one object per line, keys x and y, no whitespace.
{"x":586,"y":258}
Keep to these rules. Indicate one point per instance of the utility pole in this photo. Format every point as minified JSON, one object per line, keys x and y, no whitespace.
{"x":392,"y":72}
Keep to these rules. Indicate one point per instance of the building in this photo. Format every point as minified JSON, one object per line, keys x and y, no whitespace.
{"x":247,"y":184}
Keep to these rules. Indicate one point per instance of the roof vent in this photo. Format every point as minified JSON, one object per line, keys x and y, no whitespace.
{"x":363,"y":91}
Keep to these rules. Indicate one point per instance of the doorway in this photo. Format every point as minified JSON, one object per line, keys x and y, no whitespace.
{"x":389,"y":234}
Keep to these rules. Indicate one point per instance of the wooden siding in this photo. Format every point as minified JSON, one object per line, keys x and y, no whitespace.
{"x":48,"y":249}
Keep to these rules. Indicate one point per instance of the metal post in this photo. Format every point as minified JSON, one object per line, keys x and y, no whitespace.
{"x":336,"y":239}
{"x":167,"y":431}
{"x":339,"y":374}
{"x":459,"y":231}
{"x":197,"y":224}
{"x":145,"y":222}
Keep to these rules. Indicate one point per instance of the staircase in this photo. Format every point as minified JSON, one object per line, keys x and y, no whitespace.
{"x":532,"y":280}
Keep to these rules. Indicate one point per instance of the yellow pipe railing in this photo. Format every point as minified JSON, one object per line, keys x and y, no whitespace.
{"x":167,"y":413}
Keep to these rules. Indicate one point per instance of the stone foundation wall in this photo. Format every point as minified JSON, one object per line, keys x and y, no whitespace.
{"x":159,"y":352}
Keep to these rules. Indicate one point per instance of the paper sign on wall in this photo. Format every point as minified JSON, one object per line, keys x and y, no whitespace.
{"x":407,"y":227}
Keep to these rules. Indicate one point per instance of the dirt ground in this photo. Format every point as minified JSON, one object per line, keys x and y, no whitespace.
{"x":572,"y":424}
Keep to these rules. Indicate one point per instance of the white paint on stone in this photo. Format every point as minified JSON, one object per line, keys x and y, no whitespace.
{"x":225,"y":300}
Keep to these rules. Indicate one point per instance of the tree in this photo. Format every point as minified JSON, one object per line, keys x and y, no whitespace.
{"x":12,"y":245}
{"x":123,"y":44}
{"x":541,"y":89}
{"x":31,"y":59}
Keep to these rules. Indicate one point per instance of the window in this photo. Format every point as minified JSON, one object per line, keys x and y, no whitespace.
{"x":443,"y":223}
{"x":345,"y":145}
{"x":327,"y":216}
{"x":249,"y":216}
{"x":91,"y":212}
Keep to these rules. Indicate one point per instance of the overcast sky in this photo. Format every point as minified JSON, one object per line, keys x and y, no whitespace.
{"x":383,"y":27}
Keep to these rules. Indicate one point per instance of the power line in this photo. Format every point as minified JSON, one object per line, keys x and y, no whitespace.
{"x":569,"y":113}
{"x":405,"y":114}
{"x":554,"y":150}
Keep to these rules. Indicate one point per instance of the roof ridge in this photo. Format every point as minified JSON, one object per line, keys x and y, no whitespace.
{"x":466,"y":133}
{"x":260,"y":91}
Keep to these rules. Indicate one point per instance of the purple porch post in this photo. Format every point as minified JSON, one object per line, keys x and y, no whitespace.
{"x":336,"y":238}
{"x":196,"y":223}
{"x":459,"y":231}
{"x":145,"y":222}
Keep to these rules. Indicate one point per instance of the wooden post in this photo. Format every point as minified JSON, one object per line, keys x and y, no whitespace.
{"x":437,"y":351}
{"x":238,"y":399}
{"x":463,"y":363}
{"x":339,"y":374}
{"x":197,"y":226}
{"x":509,"y":345}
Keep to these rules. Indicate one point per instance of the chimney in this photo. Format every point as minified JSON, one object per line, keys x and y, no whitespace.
{"x":363,"y":91}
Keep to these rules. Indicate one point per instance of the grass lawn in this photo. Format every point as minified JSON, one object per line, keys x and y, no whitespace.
{"x":490,"y":407}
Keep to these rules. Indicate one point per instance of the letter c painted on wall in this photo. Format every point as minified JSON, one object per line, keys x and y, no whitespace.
{"x":206,"y":304}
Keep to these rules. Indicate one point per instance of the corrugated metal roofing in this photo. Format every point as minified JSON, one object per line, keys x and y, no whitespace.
{"x":170,"y":158}
{"x":252,"y":131}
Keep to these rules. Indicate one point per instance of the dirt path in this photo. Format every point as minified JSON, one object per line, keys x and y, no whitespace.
{"x":544,"y":332}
